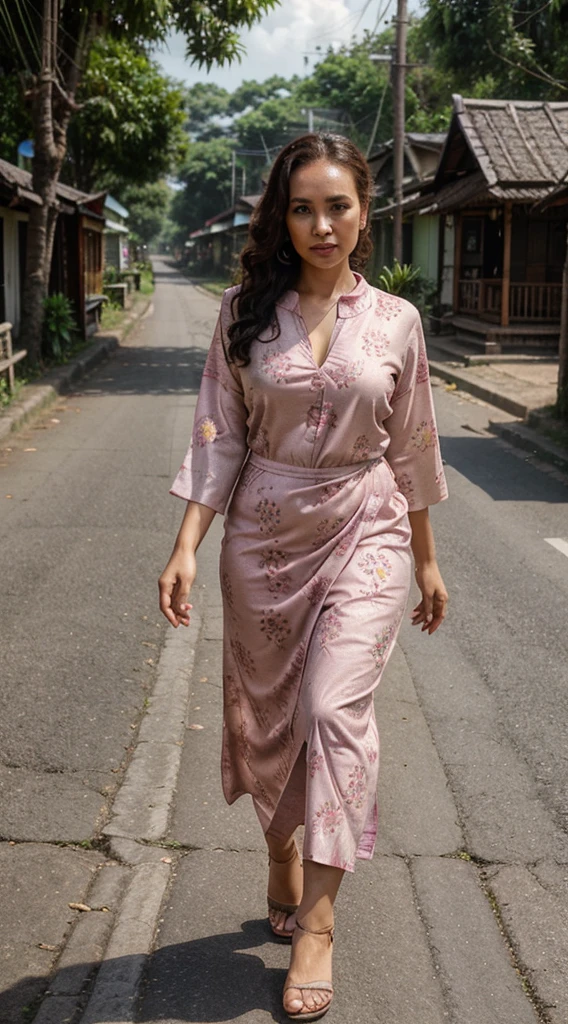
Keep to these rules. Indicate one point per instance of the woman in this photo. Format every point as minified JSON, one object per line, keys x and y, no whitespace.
{"x":315,"y":425}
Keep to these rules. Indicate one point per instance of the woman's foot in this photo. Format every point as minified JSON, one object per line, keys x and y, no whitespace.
{"x":310,"y":967}
{"x":285,"y":885}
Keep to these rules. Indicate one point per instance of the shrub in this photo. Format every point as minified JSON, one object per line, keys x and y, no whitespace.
{"x":410,"y":283}
{"x":59,"y":327}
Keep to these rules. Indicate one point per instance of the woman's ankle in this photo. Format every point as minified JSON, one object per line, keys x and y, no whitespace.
{"x":281,"y":850}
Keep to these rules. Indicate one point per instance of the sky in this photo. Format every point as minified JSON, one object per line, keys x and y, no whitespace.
{"x":285,"y":41}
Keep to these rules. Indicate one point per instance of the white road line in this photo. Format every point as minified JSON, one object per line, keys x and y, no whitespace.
{"x":558,"y":543}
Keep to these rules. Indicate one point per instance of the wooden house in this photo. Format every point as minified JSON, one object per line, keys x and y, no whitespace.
{"x":215,"y":247}
{"x":503,"y":269}
{"x":77,"y":261}
{"x":420,"y":234}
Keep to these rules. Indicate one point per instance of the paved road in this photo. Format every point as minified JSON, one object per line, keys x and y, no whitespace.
{"x":473,"y":720}
{"x":86,"y":523}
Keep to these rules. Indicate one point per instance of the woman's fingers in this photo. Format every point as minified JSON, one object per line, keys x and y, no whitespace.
{"x":174,"y":593}
{"x":431,"y":611}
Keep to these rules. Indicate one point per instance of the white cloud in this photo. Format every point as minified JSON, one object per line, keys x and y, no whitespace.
{"x":284,"y":39}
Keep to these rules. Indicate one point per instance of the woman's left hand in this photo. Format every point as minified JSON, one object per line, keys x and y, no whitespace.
{"x":431,"y":611}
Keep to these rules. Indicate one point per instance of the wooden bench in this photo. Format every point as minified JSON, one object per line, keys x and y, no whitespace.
{"x":8,"y":358}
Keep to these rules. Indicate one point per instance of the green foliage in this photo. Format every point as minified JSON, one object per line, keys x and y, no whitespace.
{"x":211,"y":29}
{"x":206,"y":177}
{"x":271,"y":124}
{"x":252,"y":93}
{"x":15,"y":121}
{"x":131,"y":125}
{"x":147,"y":207}
{"x":518,"y":49}
{"x":204,"y":103}
{"x":59,"y":327}
{"x":111,"y":274}
{"x":408,"y":282}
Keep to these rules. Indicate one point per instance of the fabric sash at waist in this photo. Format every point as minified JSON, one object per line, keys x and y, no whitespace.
{"x":311,"y":472}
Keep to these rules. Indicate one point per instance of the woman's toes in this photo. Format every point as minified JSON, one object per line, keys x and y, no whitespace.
{"x":293,"y":1004}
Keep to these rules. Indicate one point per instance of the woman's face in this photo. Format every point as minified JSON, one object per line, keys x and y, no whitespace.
{"x":324,"y":213}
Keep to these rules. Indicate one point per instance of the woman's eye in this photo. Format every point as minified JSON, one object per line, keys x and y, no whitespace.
{"x":301,"y":209}
{"x":340,"y":206}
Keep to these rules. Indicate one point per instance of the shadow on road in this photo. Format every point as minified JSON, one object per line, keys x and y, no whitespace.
{"x":148,"y":371}
{"x":499,"y":472}
{"x":215,"y":978}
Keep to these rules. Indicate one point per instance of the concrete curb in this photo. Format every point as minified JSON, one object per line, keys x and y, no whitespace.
{"x":141,"y":808}
{"x":496,"y":398}
{"x":36,"y":397}
{"x":528,"y":440}
{"x":519,"y":434}
{"x":120,"y":974}
{"x":140,"y":817}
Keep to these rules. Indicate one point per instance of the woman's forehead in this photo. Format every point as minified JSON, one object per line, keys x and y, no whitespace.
{"x":321,"y":177}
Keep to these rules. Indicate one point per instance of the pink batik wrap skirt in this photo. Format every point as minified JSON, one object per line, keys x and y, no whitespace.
{"x":315,"y":575}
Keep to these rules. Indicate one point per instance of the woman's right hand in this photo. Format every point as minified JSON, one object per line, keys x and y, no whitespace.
{"x":175,"y":584}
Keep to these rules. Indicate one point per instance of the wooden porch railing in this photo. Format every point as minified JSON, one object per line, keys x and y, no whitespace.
{"x":9,"y":358}
{"x":535,"y":301}
{"x":526,"y":301}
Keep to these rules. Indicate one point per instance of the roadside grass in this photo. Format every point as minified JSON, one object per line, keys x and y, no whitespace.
{"x":146,"y":283}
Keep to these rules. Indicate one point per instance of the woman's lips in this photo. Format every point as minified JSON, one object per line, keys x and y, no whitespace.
{"x":323,"y":248}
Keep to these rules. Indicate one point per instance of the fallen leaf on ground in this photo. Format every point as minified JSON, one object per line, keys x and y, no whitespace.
{"x":194,"y":726}
{"x":30,"y":449}
{"x":9,"y":495}
{"x":147,"y":643}
{"x":451,"y":387}
{"x":149,"y":661}
{"x":166,"y":860}
{"x":45,"y":945}
{"x":204,"y":679}
{"x":54,"y":420}
{"x":79,"y":906}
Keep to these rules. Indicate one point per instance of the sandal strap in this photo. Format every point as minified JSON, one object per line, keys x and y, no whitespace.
{"x":323,"y":986}
{"x":328,"y":930}
{"x":286,"y":908}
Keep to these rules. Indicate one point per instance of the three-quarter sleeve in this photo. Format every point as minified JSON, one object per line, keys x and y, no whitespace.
{"x":414,"y":449}
{"x":218,"y":445}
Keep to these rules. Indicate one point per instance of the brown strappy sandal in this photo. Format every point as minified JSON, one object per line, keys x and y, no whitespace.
{"x":284,"y":908}
{"x":310,"y":986}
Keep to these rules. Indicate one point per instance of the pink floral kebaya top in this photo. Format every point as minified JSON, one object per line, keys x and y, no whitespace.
{"x":370,"y":398}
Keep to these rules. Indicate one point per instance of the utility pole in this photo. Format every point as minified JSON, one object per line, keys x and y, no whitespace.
{"x":399,"y":78}
{"x":233,"y":178}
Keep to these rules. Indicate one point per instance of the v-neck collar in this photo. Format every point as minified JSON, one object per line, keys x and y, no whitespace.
{"x":349,"y":305}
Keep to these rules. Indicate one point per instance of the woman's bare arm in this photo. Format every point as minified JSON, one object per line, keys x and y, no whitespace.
{"x":431,"y":611}
{"x":176,"y":581}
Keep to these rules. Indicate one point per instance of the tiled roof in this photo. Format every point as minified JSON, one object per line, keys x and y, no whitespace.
{"x":515,"y":142}
{"x":21,"y":181}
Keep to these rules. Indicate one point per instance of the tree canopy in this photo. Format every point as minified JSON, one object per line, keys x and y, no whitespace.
{"x":206,"y":179}
{"x":513,"y":49}
{"x":130,"y":126}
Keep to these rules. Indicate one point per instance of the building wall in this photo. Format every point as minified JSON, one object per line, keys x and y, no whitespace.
{"x":425,"y":245}
{"x":12,"y":279}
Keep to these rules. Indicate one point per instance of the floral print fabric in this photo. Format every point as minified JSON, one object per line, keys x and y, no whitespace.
{"x":320,"y":465}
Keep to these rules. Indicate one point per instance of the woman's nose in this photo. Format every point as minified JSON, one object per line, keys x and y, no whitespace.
{"x":322,"y":225}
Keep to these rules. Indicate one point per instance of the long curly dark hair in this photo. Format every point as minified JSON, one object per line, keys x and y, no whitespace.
{"x":265,"y":277}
